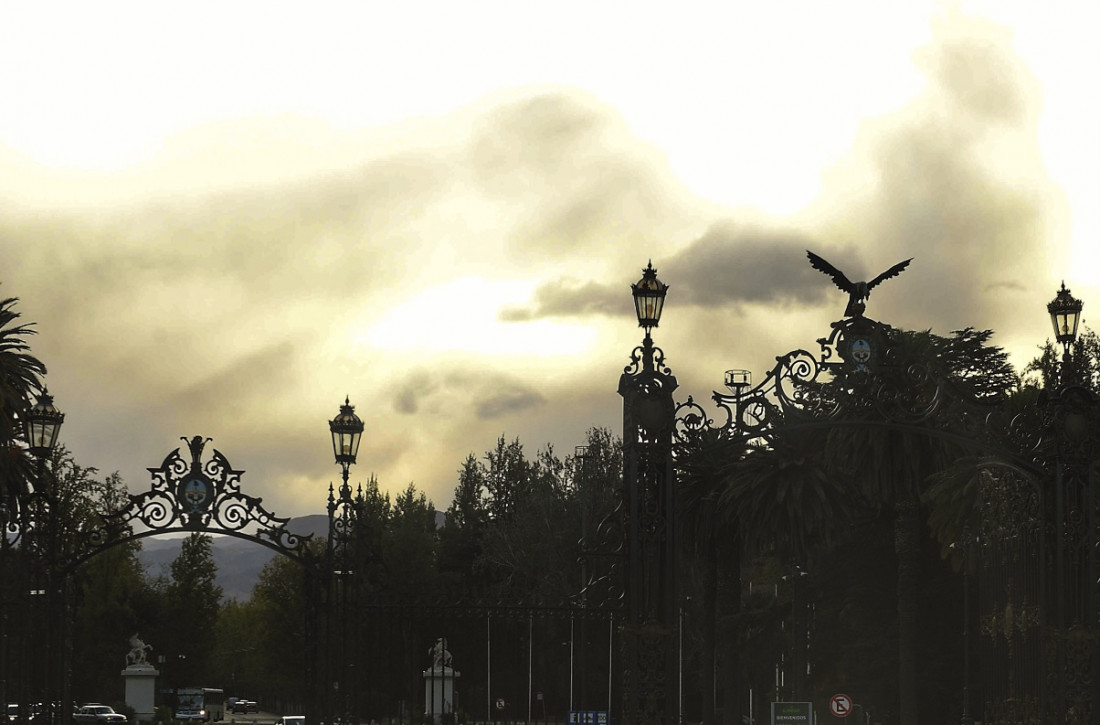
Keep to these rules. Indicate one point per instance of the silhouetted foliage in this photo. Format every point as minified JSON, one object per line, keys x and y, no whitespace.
{"x":192,"y":605}
{"x":20,"y":380}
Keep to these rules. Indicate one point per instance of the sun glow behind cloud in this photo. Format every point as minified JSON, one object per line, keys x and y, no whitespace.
{"x":463,"y":315}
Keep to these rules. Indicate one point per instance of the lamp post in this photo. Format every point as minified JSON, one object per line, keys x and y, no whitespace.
{"x":346,"y":430}
{"x":42,"y":423}
{"x":1065,"y":314}
{"x":649,"y":636}
{"x":1073,"y":524}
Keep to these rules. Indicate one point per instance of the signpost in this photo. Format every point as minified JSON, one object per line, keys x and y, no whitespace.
{"x":840,"y":705}
{"x":792,"y":713}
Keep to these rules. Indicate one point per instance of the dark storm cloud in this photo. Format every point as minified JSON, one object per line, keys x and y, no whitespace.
{"x":506,"y":402}
{"x":730,"y":265}
{"x":733,"y":264}
{"x":489,"y":394}
{"x":570,"y":298}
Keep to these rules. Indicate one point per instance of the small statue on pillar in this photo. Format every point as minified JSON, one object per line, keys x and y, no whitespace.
{"x":439,"y":654}
{"x":136,"y":655}
{"x":439,"y":684}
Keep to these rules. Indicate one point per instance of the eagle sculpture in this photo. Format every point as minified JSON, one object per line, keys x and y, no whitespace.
{"x":858,"y":292}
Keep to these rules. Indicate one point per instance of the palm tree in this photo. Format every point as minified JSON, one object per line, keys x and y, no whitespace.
{"x":20,"y":380}
{"x":789,"y":504}
{"x":710,"y":536}
{"x":771,"y":497}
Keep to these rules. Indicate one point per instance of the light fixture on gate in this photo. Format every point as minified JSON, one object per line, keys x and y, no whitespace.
{"x":42,"y":422}
{"x":346,"y":429}
{"x":649,"y":298}
{"x":1065,"y":313}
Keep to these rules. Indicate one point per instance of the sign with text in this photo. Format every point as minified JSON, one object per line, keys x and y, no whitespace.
{"x":792,"y":713}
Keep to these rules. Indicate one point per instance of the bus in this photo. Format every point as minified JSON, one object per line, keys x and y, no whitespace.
{"x":200,"y":703}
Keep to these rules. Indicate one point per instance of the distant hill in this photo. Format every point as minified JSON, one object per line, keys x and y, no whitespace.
{"x":239,"y":562}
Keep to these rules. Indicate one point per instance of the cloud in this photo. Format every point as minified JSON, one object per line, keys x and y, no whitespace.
{"x":570,"y":298}
{"x":954,"y":179}
{"x":501,"y":403}
{"x":221,"y":288}
{"x":488,"y":393}
{"x":734,"y":264}
{"x":567,"y":175}
{"x":730,"y":265}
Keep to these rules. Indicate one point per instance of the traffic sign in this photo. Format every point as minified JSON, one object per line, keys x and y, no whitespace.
{"x":840,"y":705}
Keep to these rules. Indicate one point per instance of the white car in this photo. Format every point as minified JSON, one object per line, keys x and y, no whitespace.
{"x":93,"y":713}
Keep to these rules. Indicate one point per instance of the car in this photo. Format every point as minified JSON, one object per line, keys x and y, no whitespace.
{"x":293,"y":720}
{"x":94,"y":713}
{"x":240,"y":706}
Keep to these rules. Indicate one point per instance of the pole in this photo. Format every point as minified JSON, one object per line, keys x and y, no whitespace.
{"x":610,"y":657}
{"x":488,"y":670}
{"x":967,"y":719}
{"x":530,"y":655}
{"x":570,"y":664}
{"x":680,"y":674}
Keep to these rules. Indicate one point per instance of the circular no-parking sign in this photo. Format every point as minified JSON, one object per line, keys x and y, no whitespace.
{"x":840,"y":705}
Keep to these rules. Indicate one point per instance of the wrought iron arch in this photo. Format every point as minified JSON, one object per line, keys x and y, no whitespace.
{"x":195,"y":496}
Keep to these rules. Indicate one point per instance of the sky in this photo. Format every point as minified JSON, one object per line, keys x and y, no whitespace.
{"x":223,"y":218}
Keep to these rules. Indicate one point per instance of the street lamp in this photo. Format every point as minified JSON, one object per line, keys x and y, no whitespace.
{"x":1065,"y":313}
{"x":649,"y":298}
{"x":42,"y":422}
{"x":650,"y":664}
{"x":346,"y":429}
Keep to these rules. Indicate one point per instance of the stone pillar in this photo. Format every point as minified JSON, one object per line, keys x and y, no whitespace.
{"x":439,"y":692}
{"x":141,"y":686}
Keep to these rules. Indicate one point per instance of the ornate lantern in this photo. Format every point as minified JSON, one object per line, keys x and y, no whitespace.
{"x":1065,"y":313}
{"x":42,"y":422}
{"x":346,"y":429}
{"x":649,"y":298}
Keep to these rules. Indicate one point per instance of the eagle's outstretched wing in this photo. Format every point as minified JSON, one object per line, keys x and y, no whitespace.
{"x":892,"y":272}
{"x":838,"y":277}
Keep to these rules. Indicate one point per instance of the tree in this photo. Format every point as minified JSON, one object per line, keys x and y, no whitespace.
{"x":410,"y":544}
{"x":277,"y":625}
{"x":192,"y":606}
{"x":710,"y":537}
{"x":508,"y":478}
{"x":110,"y":588}
{"x":463,"y":526}
{"x":243,"y":639}
{"x":20,"y":380}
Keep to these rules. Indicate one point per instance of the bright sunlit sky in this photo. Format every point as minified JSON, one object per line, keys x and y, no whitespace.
{"x":225,"y":217}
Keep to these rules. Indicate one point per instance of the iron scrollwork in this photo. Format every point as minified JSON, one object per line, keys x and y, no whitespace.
{"x":193,"y":495}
